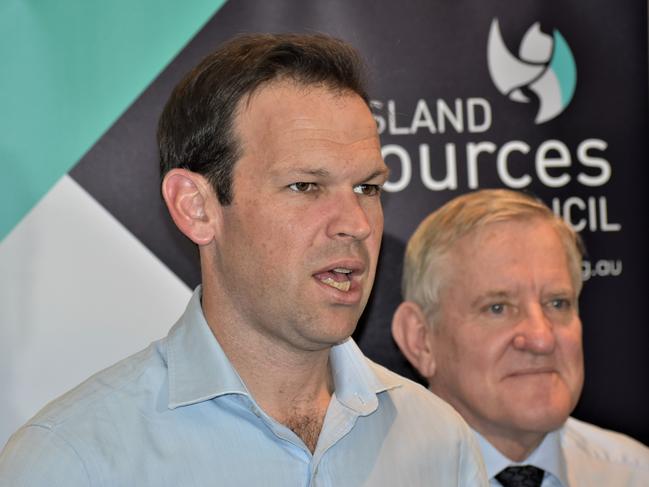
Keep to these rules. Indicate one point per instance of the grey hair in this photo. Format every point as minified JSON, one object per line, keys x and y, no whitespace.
{"x":435,"y":236}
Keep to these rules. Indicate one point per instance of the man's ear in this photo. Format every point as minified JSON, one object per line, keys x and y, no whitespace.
{"x":192,"y":204}
{"x":411,"y":331}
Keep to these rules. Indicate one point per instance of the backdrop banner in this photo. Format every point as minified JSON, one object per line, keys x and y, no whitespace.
{"x":549,"y":98}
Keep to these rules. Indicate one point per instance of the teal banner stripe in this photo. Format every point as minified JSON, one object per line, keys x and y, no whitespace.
{"x":68,"y":69}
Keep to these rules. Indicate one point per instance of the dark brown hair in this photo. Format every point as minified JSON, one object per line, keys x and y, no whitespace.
{"x":195,"y":130}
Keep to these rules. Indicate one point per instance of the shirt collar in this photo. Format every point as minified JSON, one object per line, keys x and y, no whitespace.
{"x":198,"y":367}
{"x":548,"y":456}
{"x":199,"y":370}
{"x":356,"y":383}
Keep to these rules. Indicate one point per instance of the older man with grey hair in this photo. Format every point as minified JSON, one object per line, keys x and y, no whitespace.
{"x":490,"y":318}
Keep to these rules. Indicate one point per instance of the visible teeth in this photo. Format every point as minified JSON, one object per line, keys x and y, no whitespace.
{"x":342,"y":286}
{"x":342,"y":270}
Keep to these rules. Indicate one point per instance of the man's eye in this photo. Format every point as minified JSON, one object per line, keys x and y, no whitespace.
{"x":302,"y":187}
{"x":496,"y":308}
{"x":560,"y":304}
{"x":367,"y":189}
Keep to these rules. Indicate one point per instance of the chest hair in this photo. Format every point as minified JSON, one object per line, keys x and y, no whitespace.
{"x":307,"y":427}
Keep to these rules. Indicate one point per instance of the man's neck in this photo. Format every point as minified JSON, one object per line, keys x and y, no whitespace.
{"x":515,"y":447}
{"x":295,"y":390}
{"x":294,"y":387}
{"x":302,"y":409}
{"x":285,"y":386}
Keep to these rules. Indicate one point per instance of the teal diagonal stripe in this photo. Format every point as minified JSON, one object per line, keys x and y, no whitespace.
{"x":68,"y":69}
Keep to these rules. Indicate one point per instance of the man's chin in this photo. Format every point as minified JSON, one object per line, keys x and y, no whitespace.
{"x":328,"y":336}
{"x":545,"y":406}
{"x":542,"y":420}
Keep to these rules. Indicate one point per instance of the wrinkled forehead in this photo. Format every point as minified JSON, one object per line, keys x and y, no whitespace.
{"x":510,"y":251}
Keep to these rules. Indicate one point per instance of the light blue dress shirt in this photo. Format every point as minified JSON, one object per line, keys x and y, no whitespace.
{"x":178,"y":414}
{"x":547,"y":456}
{"x":579,"y":455}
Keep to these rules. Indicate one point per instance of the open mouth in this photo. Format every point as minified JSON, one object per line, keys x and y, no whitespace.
{"x":338,"y":278}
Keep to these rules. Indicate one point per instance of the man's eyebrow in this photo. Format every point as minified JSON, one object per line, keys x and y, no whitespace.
{"x":323,"y":172}
{"x":319,"y":172}
{"x":499,"y":294}
{"x":561,"y":292}
{"x":379,"y":172}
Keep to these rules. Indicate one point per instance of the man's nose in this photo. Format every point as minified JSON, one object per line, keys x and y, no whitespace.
{"x":349,"y":218}
{"x":535,"y":332}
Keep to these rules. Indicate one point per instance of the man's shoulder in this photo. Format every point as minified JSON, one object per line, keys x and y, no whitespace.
{"x":128,"y":381}
{"x":63,"y":440}
{"x":429,"y":429}
{"x":401,"y":386}
{"x":601,"y":445}
{"x":412,"y":397}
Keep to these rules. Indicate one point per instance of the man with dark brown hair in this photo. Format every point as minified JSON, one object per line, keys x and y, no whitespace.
{"x":272,"y":166}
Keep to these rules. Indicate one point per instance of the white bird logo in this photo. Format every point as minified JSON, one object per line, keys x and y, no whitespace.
{"x":545,"y":65}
